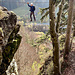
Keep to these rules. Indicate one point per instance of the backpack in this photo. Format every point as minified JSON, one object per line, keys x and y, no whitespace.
{"x":34,"y":8}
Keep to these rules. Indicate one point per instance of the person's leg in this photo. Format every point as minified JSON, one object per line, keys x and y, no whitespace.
{"x":34,"y":16}
{"x":31,"y":16}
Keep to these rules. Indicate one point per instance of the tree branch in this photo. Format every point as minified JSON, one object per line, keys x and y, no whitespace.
{"x":59,"y":16}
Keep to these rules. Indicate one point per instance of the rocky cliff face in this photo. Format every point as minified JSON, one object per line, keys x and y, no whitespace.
{"x":9,"y":39}
{"x":74,"y":19}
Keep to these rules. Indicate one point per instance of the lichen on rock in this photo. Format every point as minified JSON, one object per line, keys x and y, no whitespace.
{"x":13,"y":68}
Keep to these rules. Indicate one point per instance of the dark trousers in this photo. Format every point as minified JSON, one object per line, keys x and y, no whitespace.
{"x":32,"y":13}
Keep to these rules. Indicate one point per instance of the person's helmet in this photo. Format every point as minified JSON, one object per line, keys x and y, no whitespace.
{"x":31,"y":3}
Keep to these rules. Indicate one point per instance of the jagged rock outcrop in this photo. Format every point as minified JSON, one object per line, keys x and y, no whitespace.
{"x":74,"y":22}
{"x":9,"y":39}
{"x":74,"y":19}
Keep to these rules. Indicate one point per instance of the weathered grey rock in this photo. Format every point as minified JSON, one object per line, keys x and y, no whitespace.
{"x":13,"y":68}
{"x":7,"y":23}
{"x":8,"y":33}
{"x":3,"y":8}
{"x":74,"y":19}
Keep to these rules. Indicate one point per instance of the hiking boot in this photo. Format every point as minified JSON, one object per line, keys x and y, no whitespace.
{"x":30,"y":20}
{"x":34,"y":20}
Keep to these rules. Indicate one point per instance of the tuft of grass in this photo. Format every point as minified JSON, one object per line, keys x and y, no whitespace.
{"x":39,"y":33}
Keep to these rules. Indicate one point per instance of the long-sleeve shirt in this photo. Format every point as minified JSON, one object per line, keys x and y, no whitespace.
{"x":31,"y":8}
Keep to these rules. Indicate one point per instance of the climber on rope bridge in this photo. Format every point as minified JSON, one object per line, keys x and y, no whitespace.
{"x":32,"y":9}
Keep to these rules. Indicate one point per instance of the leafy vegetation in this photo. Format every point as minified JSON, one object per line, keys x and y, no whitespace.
{"x":48,"y":45}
